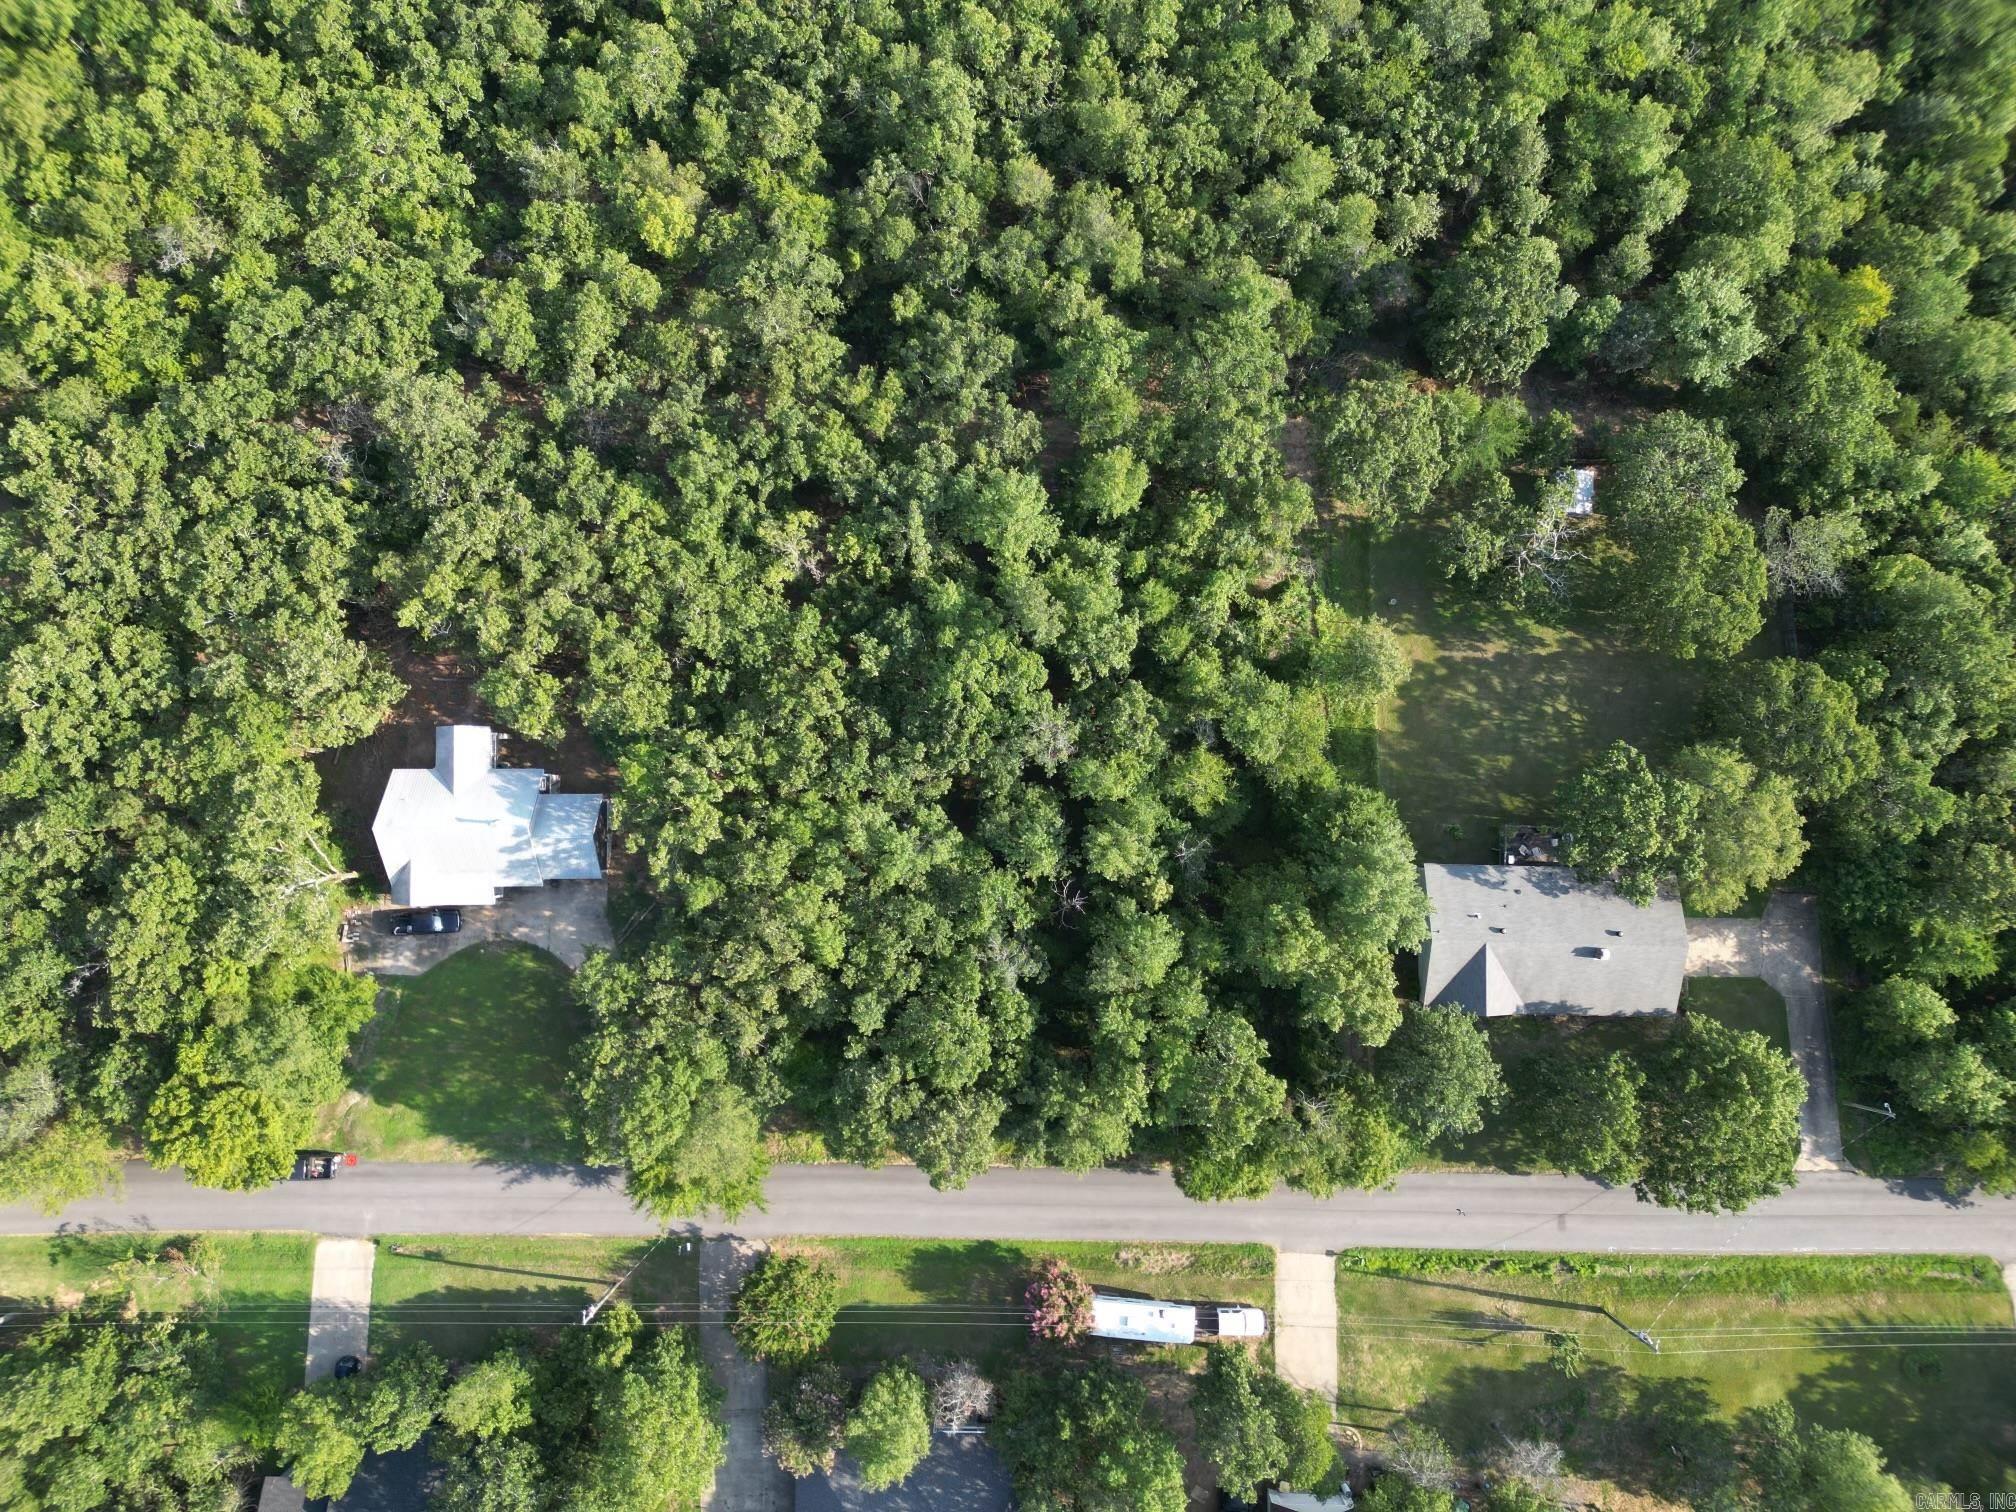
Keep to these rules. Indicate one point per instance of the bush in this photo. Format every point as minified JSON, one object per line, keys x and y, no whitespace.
{"x":785,"y":1310}
{"x":1059,"y":1302}
{"x":803,"y":1426}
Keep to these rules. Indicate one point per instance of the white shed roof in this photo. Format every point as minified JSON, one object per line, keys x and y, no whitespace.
{"x":458,"y":832}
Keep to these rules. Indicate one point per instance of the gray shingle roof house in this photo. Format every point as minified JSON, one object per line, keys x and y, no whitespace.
{"x":1533,"y":939}
{"x":465,"y":828}
{"x":962,"y":1473}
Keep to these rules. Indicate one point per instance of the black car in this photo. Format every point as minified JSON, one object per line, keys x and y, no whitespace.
{"x":348,"y":1366}
{"x":317,"y":1165}
{"x":428,"y":921}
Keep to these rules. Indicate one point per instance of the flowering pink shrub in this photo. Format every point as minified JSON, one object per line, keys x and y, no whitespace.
{"x":1059,"y":1303}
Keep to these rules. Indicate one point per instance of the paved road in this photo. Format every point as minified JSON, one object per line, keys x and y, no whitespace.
{"x":1829,"y":1211}
{"x":1783,"y":948}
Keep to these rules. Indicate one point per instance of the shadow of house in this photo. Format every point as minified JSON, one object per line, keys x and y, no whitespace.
{"x":962,"y":1473}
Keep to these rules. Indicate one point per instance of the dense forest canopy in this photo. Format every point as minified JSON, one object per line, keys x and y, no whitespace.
{"x":865,"y":420}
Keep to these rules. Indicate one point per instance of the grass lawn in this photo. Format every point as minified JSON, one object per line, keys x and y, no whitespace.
{"x":1499,"y":707}
{"x":1456,"y":1339}
{"x":253,"y":1295}
{"x":455,"y":1291}
{"x":1498,"y":1145}
{"x":963,"y":1298}
{"x":1347,"y":580}
{"x":466,"y":1062}
{"x":1740,"y":1003}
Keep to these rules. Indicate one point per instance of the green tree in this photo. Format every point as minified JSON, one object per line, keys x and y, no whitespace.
{"x":326,"y":1430}
{"x":1581,"y":1112}
{"x":220,"y":1131}
{"x":1438,"y":1074}
{"x":319,"y":1444}
{"x":1087,"y":1440}
{"x":1382,"y":448}
{"x":1238,"y":1427}
{"x":1488,"y":318}
{"x":889,"y":1431}
{"x":490,"y":1398}
{"x":1627,"y":824}
{"x":659,"y":1438}
{"x":94,"y":1413}
{"x":1795,"y":1463}
{"x":805,"y":1424}
{"x":1790,"y":718}
{"x":660,"y":1103}
{"x":785,"y":1309}
{"x":1721,"y":1119}
{"x":1750,"y":834}
{"x":1690,"y":578}
{"x":1396,"y":1495}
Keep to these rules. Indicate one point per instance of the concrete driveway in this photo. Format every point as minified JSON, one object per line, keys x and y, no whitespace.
{"x":748,"y":1480}
{"x":339,"y":1307}
{"x":565,"y":919}
{"x":1305,"y":1321}
{"x":1783,"y":948}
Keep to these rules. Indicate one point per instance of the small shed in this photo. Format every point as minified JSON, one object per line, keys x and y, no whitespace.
{"x":1582,"y":485}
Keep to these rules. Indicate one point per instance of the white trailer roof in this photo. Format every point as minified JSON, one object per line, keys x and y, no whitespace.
{"x":1143,"y":1320}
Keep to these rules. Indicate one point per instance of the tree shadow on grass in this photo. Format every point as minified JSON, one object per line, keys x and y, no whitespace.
{"x":976,"y":1273}
{"x":477,"y":1049}
{"x":462,"y":1322}
{"x":870,"y":1331}
{"x":1930,"y":1407}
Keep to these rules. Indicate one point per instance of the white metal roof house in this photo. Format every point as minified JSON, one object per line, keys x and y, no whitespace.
{"x":1535,"y":939}
{"x":465,"y":829}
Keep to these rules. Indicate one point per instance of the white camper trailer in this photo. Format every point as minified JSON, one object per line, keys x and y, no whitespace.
{"x":1143,"y":1320}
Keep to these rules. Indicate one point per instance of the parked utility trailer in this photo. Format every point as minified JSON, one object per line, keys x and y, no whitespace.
{"x":1144,"y":1320}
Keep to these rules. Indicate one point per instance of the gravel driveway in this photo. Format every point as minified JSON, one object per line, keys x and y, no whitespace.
{"x":565,"y":919}
{"x":1783,"y":948}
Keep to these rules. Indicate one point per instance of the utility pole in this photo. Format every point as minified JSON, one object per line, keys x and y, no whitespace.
{"x":588,"y":1313}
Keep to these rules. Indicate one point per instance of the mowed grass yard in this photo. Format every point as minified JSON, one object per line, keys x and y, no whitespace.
{"x":1739,"y":1003}
{"x":465,"y":1062}
{"x":963,"y":1298}
{"x":1499,"y":707}
{"x":454,"y":1292}
{"x":1918,"y":1352}
{"x":252,"y":1294}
